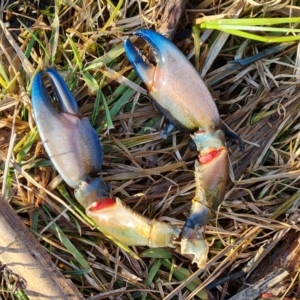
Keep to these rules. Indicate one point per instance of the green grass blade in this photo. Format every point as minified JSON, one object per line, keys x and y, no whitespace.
{"x":76,"y":272}
{"x":121,"y":101}
{"x":24,"y":146}
{"x":9,"y":84}
{"x":65,"y":241}
{"x":149,"y":124}
{"x":112,"y":16}
{"x":29,"y":47}
{"x":157,"y":253}
{"x":239,"y":26}
{"x":96,"y":105}
{"x":182,"y":274}
{"x":265,"y":39}
{"x":3,"y":74}
{"x":151,"y":275}
{"x":106,"y":58}
{"x":197,"y":42}
{"x":254,"y":28}
{"x":249,"y":21}
{"x":90,"y":81}
{"x":36,"y":39}
{"x":153,"y":271}
{"x":68,"y":245}
{"x":20,"y":295}
{"x":76,"y":53}
{"x":109,"y":121}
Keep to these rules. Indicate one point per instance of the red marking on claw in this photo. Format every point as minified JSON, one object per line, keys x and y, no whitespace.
{"x":267,"y":295}
{"x":100,"y":204}
{"x":209,"y":156}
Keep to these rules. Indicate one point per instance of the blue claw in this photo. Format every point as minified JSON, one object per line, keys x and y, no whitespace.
{"x":75,"y":151}
{"x":174,"y":84}
{"x":70,"y":141}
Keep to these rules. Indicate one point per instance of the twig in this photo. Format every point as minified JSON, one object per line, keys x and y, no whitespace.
{"x":170,"y":18}
{"x":262,"y":285}
{"x":21,"y":253}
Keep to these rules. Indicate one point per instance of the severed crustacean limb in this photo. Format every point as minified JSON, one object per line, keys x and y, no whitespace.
{"x":76,"y":152}
{"x":181,"y":95}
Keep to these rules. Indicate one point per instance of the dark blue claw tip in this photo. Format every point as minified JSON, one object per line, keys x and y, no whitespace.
{"x":157,"y":41}
{"x":37,"y":86}
{"x":164,"y":50}
{"x":132,"y":54}
{"x":64,"y":97}
{"x":142,"y":68}
{"x":40,"y":98}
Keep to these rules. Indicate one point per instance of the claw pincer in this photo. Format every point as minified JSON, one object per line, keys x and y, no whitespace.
{"x":180,"y":94}
{"x":70,"y":141}
{"x":76,"y":152}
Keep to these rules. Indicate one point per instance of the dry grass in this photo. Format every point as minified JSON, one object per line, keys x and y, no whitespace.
{"x":258,"y":101}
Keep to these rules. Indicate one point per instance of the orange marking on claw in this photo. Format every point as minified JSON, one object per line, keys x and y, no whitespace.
{"x":100,"y":204}
{"x":209,"y":156}
{"x":200,"y":131}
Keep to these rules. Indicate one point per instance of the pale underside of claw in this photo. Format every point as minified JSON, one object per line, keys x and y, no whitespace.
{"x":131,"y":228}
